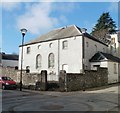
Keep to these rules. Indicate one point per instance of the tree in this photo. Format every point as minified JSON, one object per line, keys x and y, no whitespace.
{"x":105,"y":25}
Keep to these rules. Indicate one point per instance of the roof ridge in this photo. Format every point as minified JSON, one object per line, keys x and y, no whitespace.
{"x":78,"y":28}
{"x":63,"y":27}
{"x":54,"y":31}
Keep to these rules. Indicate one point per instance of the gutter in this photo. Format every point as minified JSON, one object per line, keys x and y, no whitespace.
{"x":48,"y":40}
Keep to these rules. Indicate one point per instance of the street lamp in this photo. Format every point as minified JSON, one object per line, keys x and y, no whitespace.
{"x":23,"y":31}
{"x":83,"y":30}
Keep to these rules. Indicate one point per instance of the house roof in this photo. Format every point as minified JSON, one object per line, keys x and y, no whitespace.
{"x":9,"y":56}
{"x":100,"y":56}
{"x":61,"y":33}
{"x":64,"y":32}
{"x":93,"y":38}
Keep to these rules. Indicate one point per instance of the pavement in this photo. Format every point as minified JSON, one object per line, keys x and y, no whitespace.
{"x":114,"y":88}
{"x":102,"y":99}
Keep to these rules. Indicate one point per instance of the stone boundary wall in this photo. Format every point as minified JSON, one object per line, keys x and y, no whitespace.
{"x":9,"y":71}
{"x":15,"y":75}
{"x":67,"y":81}
{"x":90,"y":79}
{"x":29,"y":80}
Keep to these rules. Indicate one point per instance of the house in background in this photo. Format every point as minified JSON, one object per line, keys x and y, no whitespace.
{"x":114,"y":46}
{"x":9,"y":60}
{"x":69,"y":48}
{"x":108,"y":61}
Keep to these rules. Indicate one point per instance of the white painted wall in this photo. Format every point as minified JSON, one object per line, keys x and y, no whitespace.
{"x":102,"y":64}
{"x":112,"y":77}
{"x":117,"y":52}
{"x":91,"y":50}
{"x":11,"y":63}
{"x":44,"y":51}
{"x":72,"y":56}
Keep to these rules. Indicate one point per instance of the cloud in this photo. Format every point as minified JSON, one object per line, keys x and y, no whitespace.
{"x":9,"y":6}
{"x":63,"y":19}
{"x":60,"y":1}
{"x":66,"y":7}
{"x":37,"y":18}
{"x":17,"y":1}
{"x":113,"y":7}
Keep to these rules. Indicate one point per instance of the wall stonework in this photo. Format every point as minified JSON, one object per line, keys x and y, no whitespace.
{"x":90,"y":79}
{"x":67,"y":81}
{"x":9,"y":71}
{"x":28,"y":79}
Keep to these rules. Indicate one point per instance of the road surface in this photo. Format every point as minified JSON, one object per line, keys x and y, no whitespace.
{"x":98,"y":100}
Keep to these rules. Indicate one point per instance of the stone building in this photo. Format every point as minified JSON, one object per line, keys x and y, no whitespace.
{"x":69,"y":48}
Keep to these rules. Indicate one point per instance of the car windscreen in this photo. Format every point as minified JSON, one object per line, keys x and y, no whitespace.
{"x":6,"y":78}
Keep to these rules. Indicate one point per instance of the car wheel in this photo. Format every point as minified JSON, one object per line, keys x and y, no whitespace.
{"x":3,"y":87}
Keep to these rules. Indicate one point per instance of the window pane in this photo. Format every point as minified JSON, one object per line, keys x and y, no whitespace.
{"x":65,"y":44}
{"x":38,"y":61}
{"x":28,"y":50}
{"x":115,"y":68}
{"x":51,"y":60}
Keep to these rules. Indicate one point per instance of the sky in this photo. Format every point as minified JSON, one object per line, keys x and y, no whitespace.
{"x":40,"y":17}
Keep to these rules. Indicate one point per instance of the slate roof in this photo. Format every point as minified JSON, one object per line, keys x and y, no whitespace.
{"x":9,"y":57}
{"x":93,"y":38}
{"x":100,"y":56}
{"x":56,"y":34}
{"x":65,"y":32}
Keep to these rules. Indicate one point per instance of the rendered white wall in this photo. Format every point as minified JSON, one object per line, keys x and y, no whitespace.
{"x":71,"y":56}
{"x":117,"y":52}
{"x":91,"y":50}
{"x":44,"y":51}
{"x":112,"y":77}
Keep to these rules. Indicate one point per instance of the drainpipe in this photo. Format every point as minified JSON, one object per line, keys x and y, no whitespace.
{"x":83,"y":51}
{"x":83,"y":57}
{"x":58,"y":57}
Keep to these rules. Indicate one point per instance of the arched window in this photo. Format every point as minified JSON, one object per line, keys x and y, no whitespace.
{"x":115,"y":68}
{"x":38,"y":61}
{"x":50,"y":45}
{"x":39,"y":46}
{"x":51,"y":60}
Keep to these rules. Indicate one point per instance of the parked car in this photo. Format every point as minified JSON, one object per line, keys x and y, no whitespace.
{"x":7,"y":83}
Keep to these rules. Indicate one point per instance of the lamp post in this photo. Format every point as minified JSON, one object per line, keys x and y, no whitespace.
{"x":23,"y":31}
{"x":83,"y":52}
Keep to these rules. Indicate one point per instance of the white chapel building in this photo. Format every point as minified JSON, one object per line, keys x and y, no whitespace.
{"x":69,"y":48}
